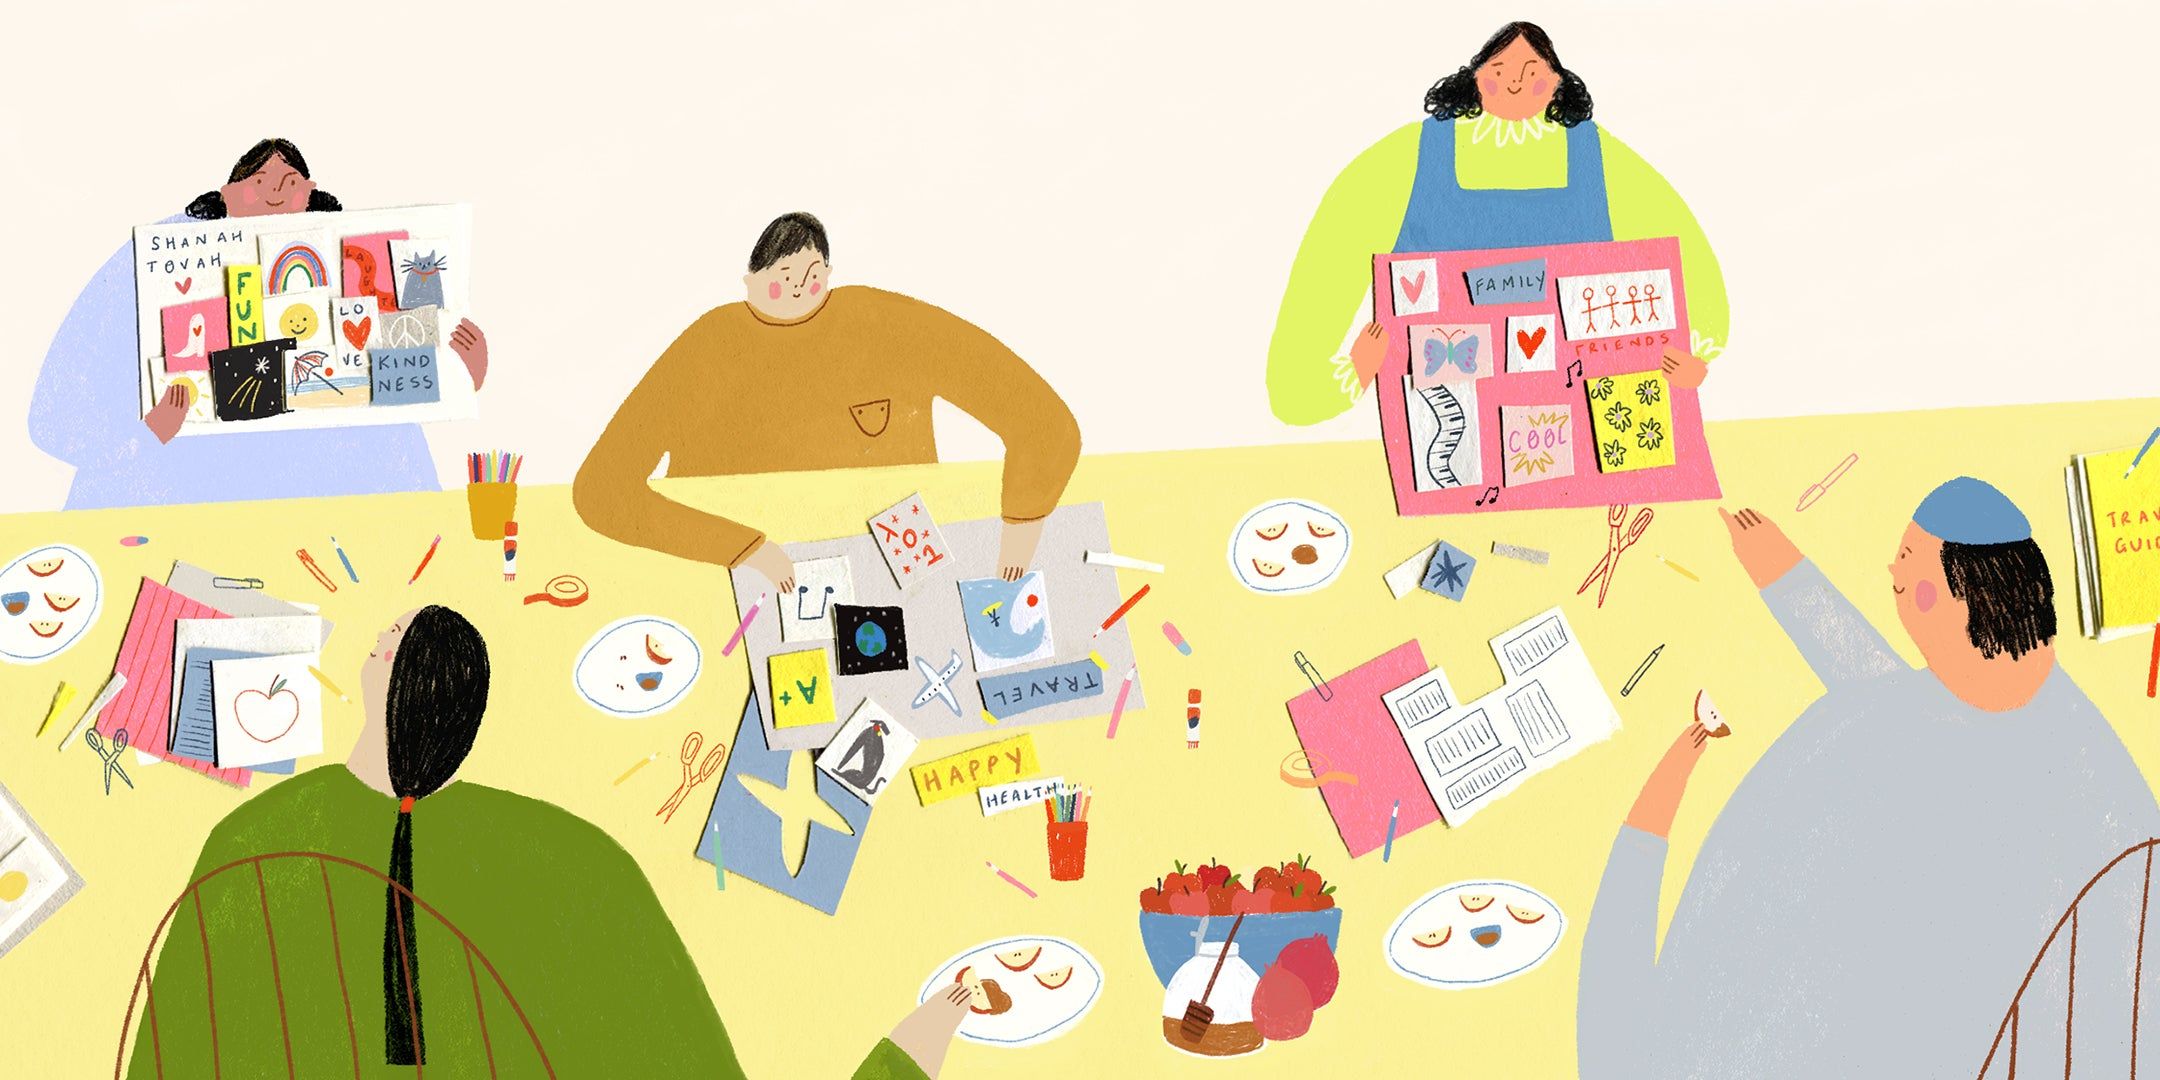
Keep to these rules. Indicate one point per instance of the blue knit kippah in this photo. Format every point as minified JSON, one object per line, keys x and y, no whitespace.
{"x":1969,"y":511}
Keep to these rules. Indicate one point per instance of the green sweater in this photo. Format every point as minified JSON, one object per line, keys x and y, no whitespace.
{"x":1308,"y":371}
{"x":561,"y":911}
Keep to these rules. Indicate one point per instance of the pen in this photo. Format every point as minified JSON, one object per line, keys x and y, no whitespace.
{"x":341,"y":558}
{"x":736,"y":638}
{"x":1816,"y":491}
{"x":424,"y":559}
{"x":1387,"y":851}
{"x":1639,"y":669}
{"x":2141,"y":453}
{"x":308,"y":561}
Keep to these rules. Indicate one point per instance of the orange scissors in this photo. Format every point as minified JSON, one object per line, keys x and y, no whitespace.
{"x":1616,"y":543}
{"x":690,"y":745}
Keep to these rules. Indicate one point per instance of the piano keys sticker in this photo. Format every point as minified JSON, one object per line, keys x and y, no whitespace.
{"x":1416,"y":286}
{"x":1445,"y":445}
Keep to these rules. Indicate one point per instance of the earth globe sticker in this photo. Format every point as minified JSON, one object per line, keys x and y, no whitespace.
{"x":870,"y":639}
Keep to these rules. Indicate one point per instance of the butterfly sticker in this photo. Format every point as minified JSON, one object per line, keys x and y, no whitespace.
{"x":1451,"y":353}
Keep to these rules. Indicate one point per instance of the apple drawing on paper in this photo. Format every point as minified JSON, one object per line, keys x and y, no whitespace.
{"x":266,"y":716}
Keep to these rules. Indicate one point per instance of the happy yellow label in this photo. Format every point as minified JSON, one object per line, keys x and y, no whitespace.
{"x":991,"y":763}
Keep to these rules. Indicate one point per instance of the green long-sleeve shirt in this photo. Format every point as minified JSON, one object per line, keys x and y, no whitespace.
{"x":561,"y":911}
{"x":1309,"y":376}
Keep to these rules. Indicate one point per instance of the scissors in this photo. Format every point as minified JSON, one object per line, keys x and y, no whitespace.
{"x":112,"y":760}
{"x":690,"y":745}
{"x":1616,"y":543}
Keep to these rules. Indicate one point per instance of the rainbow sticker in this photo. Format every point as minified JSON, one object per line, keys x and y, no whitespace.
{"x":301,"y":261}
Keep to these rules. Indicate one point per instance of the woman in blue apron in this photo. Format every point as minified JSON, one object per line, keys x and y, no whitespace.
{"x":1508,"y":157}
{"x":85,"y":408}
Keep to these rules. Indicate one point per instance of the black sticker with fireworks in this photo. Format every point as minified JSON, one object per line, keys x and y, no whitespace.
{"x":248,"y":382}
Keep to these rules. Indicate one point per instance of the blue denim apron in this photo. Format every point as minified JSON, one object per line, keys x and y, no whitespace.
{"x":1445,"y":216}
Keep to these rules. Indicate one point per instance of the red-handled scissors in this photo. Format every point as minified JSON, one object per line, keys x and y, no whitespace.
{"x":1615,"y":543}
{"x":690,"y":745}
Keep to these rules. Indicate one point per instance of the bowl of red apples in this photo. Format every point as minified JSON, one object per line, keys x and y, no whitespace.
{"x":1282,"y":904}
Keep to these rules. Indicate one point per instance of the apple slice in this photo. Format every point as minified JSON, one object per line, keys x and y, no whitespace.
{"x":1267,"y":569}
{"x":1055,"y":977}
{"x":1524,"y":915}
{"x":655,"y":653}
{"x":1433,"y":939}
{"x":985,"y":996}
{"x":1475,"y":901}
{"x":1019,"y":959}
{"x":58,"y":602}
{"x":46,"y":628}
{"x":47,"y":567}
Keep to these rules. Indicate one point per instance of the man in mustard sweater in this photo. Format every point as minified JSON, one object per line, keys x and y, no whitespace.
{"x":803,"y":376}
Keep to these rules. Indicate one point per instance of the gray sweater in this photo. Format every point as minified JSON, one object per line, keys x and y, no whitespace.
{"x":1869,"y":900}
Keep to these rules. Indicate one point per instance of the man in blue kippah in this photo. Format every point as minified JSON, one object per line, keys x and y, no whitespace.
{"x":1873,"y":894}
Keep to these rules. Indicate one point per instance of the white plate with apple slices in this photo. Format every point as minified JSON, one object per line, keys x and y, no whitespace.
{"x":48,"y":597}
{"x":1022,"y":990}
{"x":639,"y":666}
{"x":1474,"y":933}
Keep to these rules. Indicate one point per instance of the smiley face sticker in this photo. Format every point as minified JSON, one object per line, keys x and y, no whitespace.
{"x":1289,"y":546}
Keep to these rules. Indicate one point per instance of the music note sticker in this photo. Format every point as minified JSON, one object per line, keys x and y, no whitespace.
{"x":1492,"y":495}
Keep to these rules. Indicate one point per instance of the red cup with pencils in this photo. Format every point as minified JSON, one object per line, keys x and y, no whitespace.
{"x":1067,"y":830}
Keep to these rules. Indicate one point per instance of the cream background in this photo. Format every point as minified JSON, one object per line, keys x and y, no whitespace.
{"x":1893,"y":188}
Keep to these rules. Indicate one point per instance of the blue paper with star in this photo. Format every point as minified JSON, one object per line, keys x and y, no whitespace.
{"x":1448,"y":574}
{"x":745,"y":834}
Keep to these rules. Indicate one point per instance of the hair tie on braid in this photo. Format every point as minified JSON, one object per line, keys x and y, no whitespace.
{"x":404,"y":805}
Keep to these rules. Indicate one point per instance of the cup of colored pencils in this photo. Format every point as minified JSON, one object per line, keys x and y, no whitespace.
{"x":1066,"y":817}
{"x":491,"y":491}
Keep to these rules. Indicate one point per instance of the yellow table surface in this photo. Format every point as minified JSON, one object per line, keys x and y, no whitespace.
{"x":804,"y":994}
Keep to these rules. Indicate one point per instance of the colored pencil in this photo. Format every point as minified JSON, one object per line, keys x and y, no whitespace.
{"x":1117,"y":708}
{"x":648,"y":759}
{"x":341,"y":558}
{"x":2152,"y":673}
{"x":743,"y":626}
{"x":105,"y":697}
{"x":326,"y":683}
{"x":424,"y":559}
{"x":1387,"y":850}
{"x":1119,"y":613}
{"x":1678,"y":569}
{"x":1010,"y":880}
{"x":1640,"y":669}
{"x":2141,"y":455}
{"x":60,"y":699}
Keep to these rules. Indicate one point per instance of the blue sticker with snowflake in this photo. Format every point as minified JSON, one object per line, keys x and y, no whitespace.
{"x":1448,"y":573}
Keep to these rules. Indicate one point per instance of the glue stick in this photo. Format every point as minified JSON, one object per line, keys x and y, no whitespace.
{"x":1192,"y":719}
{"x":509,"y":551}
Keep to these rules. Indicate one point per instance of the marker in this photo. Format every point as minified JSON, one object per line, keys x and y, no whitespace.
{"x":424,"y":559}
{"x":1010,"y":880}
{"x":326,"y":683}
{"x":105,"y":697}
{"x":1105,"y":558}
{"x":2141,"y":457}
{"x":736,"y":638}
{"x":1639,"y":670}
{"x":60,"y":699}
{"x":308,"y":561}
{"x":341,"y":558}
{"x":1387,"y":850}
{"x":649,"y":759}
{"x":1678,"y":569}
{"x":2152,"y":674}
{"x":509,"y":551}
{"x":1192,"y":719}
{"x":1119,"y":613}
{"x":1170,"y":630}
{"x":1117,"y":709}
{"x":134,"y":541}
{"x":1312,"y":675}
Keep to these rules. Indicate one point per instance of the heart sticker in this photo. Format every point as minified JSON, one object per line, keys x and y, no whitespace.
{"x":1411,"y":287}
{"x":1529,"y":343}
{"x":184,"y":284}
{"x":357,"y":332}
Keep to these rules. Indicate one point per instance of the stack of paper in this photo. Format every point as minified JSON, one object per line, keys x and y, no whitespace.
{"x":218,"y":677}
{"x":2115,"y":533}
{"x":1548,"y":709}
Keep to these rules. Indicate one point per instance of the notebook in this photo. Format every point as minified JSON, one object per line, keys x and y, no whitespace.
{"x":2115,"y":535}
{"x":1350,"y":730}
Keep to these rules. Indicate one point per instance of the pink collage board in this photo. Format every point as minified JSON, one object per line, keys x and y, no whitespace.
{"x":1435,"y":289}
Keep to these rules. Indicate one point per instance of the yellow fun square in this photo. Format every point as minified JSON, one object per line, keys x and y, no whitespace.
{"x":801,"y":689}
{"x":1631,"y":417}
